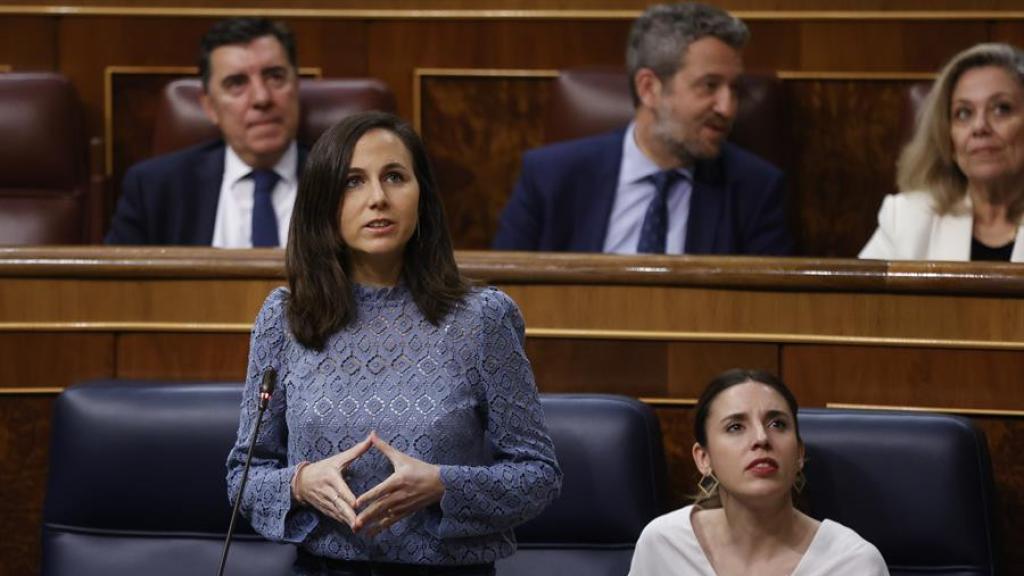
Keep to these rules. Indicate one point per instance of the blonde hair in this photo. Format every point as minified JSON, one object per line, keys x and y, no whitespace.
{"x":927,"y":162}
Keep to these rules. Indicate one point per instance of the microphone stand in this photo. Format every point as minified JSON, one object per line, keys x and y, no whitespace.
{"x":266,"y":390}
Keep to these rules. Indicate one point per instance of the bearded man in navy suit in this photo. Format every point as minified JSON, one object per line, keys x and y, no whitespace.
{"x":669,"y":182}
{"x":238,"y":191}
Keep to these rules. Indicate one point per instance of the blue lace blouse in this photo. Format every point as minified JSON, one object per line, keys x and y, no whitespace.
{"x":460,"y":395}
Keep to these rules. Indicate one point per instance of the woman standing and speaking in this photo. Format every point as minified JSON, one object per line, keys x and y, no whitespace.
{"x":406,"y":435}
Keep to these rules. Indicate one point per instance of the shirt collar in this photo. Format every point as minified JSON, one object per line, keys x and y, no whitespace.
{"x":636,"y":166}
{"x":235,"y":169}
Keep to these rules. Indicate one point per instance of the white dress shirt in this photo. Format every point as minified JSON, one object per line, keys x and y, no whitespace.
{"x":233,"y":227}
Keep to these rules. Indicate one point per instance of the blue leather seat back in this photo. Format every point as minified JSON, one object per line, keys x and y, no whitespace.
{"x":137,"y":485}
{"x":613,"y":465}
{"x":917,"y":486}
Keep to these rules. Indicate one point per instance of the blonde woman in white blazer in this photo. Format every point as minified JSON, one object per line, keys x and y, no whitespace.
{"x":910,"y":228}
{"x":962,"y":174}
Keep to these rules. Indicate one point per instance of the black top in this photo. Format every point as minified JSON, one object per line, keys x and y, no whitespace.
{"x":982,"y":252}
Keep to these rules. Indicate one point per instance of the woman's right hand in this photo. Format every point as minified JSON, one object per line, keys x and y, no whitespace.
{"x":322,"y":484}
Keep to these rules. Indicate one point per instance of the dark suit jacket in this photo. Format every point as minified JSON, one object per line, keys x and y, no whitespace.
{"x":172,"y":199}
{"x":564,"y":198}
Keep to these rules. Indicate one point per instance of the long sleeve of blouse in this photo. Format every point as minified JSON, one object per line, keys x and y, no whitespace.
{"x":460,"y":395}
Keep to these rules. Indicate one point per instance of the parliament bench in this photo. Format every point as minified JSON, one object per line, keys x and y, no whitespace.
{"x":137,"y":485}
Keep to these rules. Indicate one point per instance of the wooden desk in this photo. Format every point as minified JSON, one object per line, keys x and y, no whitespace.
{"x":927,"y":335}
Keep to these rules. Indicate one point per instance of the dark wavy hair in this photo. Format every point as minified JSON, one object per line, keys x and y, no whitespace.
{"x":243,"y":31}
{"x":317,"y":262}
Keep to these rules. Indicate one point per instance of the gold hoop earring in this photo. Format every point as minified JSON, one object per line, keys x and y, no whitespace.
{"x":708,"y":485}
{"x":800,"y":481}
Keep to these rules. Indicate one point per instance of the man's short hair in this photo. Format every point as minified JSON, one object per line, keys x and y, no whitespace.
{"x":662,"y":34}
{"x":242,"y":31}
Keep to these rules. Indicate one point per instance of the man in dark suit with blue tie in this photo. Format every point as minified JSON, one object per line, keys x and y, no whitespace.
{"x":669,"y":182}
{"x":238,"y":191}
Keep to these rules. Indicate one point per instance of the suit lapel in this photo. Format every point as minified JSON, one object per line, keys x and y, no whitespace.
{"x":209,"y":175}
{"x":598,"y":188}
{"x":706,"y":204}
{"x":303,"y":152}
{"x":951,"y":237}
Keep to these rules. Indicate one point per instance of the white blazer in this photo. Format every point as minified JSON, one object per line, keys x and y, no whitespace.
{"x":909,"y":228}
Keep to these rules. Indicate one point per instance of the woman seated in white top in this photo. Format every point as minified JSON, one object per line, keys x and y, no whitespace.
{"x":961,"y":177}
{"x":743,"y":522}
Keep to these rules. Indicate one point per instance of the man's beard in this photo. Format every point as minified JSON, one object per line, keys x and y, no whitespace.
{"x":687,"y":149}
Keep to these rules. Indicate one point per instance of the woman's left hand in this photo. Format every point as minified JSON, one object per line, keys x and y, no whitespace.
{"x":413,"y":485}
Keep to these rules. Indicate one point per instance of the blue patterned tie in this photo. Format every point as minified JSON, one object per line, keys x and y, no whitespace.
{"x":264,"y":220}
{"x":655,"y":226}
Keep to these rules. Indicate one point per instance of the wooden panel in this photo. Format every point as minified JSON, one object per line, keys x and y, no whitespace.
{"x":46,"y":360}
{"x":24,"y":445}
{"x":539,"y":8}
{"x":677,"y":437}
{"x":183,"y":356}
{"x":691,"y":365}
{"x":28,"y":43}
{"x":885,"y":46}
{"x":126,"y":42}
{"x":99,"y":300}
{"x":767,"y":316}
{"x":134,"y":102}
{"x":1006,"y":444}
{"x":774,"y":45}
{"x":847,"y":136}
{"x":396,"y":48}
{"x":1011,"y":32}
{"x":659,"y":326}
{"x":477,"y":167}
{"x":605,"y":366}
{"x":988,"y":379}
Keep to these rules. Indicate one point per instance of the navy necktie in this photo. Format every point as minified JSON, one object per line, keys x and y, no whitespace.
{"x":264,"y":220}
{"x":655,"y":226}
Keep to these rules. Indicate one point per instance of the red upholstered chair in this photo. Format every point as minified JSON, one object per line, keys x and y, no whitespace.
{"x":180,"y":121}
{"x":588,"y":101}
{"x":45,"y":193}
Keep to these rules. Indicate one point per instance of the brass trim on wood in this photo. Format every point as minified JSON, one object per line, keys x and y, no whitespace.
{"x":159,"y":327}
{"x":771,"y":338}
{"x":494,"y":14}
{"x":854,"y":76}
{"x":108,"y":96}
{"x":16,"y":391}
{"x":546,"y":333}
{"x":941,"y":410}
{"x":669,"y":402}
{"x":418,"y":74}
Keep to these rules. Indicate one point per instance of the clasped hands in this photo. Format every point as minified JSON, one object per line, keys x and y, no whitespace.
{"x":413,"y":485}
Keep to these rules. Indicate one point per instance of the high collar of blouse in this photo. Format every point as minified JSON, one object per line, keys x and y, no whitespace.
{"x":373,"y":296}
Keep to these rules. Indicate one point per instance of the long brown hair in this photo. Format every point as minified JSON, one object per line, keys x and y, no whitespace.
{"x":317,"y":264}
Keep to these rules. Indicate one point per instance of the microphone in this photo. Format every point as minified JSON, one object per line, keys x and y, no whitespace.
{"x":267,"y":386}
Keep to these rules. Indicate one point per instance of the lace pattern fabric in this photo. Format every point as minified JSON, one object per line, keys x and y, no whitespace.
{"x":460,"y":395}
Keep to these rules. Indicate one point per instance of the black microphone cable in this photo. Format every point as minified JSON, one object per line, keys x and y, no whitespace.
{"x":266,"y":391}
